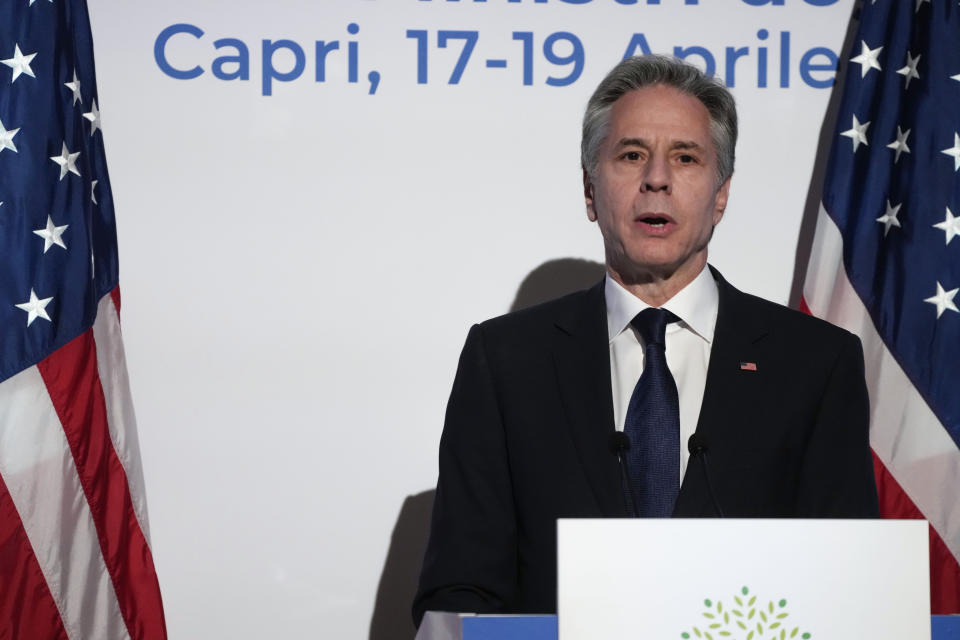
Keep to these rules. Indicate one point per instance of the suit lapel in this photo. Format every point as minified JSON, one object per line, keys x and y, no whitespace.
{"x":729,"y":391}
{"x":582,"y":357}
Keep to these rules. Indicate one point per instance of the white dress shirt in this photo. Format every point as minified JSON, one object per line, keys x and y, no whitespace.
{"x":688,"y":344}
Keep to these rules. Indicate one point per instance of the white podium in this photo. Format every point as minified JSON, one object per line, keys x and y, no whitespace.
{"x":743,"y":579}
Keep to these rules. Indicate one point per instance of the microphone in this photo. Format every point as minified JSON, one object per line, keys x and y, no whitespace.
{"x":619,"y":444}
{"x":697,"y":447}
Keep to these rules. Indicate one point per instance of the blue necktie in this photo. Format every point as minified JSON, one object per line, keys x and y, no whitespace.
{"x":653,"y":422}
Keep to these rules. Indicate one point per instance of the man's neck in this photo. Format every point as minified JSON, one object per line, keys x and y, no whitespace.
{"x":657,"y":288}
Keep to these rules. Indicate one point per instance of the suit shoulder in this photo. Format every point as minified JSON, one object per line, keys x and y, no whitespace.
{"x":536,"y":319}
{"x":800,"y":326}
{"x":546,"y":313}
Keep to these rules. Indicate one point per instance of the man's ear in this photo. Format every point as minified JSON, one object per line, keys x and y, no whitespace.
{"x":720,"y":204}
{"x":588,"y":196}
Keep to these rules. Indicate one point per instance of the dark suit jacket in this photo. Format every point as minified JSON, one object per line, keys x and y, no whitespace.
{"x":527,"y":432}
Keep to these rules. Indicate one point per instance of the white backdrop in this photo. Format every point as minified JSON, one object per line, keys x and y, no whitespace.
{"x":299,"y":270}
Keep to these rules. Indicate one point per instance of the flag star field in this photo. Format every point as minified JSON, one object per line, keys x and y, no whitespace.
{"x":57,"y":237}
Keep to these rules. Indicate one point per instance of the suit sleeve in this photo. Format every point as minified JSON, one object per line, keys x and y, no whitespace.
{"x":836,"y":478}
{"x":470,"y":563}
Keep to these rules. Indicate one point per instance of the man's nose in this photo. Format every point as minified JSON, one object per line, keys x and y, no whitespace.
{"x":657,"y":175}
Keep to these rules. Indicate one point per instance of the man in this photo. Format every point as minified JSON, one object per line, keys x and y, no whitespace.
{"x":662,"y":349}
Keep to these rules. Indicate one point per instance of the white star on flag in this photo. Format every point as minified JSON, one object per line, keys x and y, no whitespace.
{"x":889,"y":219}
{"x":6,"y":138}
{"x":94,"y":117}
{"x":67,"y":161}
{"x":910,"y":70}
{"x":950,"y":226}
{"x":857,"y":133}
{"x":956,"y":77}
{"x":19,"y":63}
{"x":943,"y":300}
{"x":52,"y":235}
{"x":867,"y":58}
{"x":35,"y":308}
{"x":900,"y":144}
{"x":74,"y":86}
{"x":954,"y":151}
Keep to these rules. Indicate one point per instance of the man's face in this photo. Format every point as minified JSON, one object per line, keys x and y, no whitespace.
{"x":654,"y":192}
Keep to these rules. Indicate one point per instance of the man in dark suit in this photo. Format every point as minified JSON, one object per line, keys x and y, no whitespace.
{"x":663,"y":349}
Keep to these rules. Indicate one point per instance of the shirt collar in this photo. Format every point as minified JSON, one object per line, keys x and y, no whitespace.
{"x":696,"y":305}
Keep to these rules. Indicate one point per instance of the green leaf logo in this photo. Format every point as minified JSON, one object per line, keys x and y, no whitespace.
{"x":747,"y":618}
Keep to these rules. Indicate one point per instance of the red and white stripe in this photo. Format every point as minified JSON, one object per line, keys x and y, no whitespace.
{"x":917,"y":463}
{"x":75,"y":560}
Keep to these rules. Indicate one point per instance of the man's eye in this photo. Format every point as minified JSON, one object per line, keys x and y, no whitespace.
{"x":631,"y":155}
{"x":686,"y":158}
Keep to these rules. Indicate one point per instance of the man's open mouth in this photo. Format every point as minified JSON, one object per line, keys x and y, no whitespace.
{"x":655,"y":220}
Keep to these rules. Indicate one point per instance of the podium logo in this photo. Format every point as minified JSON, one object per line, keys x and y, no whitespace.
{"x":746,"y":618}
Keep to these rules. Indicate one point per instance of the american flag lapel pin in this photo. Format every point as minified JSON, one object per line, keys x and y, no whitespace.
{"x":748,"y":366}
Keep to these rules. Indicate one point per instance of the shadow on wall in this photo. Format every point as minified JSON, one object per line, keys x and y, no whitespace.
{"x":556,"y":278}
{"x":398,"y":581}
{"x":392,"y":619}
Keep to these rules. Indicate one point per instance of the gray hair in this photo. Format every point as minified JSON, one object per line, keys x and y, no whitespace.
{"x":644,"y":71}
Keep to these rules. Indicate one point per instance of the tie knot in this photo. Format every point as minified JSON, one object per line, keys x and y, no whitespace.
{"x":651,"y":324}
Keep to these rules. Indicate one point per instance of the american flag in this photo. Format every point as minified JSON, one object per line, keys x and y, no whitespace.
{"x":75,"y":559}
{"x":885,"y":261}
